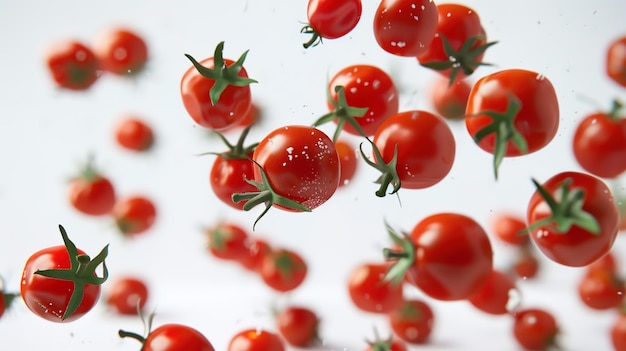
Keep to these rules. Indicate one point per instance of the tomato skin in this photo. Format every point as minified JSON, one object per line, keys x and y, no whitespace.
{"x":535,"y":329}
{"x":599,"y":145}
{"x":126,"y":294}
{"x":493,"y":297}
{"x":298,"y":325}
{"x":283,"y":270}
{"x":577,"y":247}
{"x":412,"y":321}
{"x":453,"y":256}
{"x":48,"y":297}
{"x":301,"y":164}
{"x":176,"y":337}
{"x":121,"y":51}
{"x":526,"y":265}
{"x":348,"y":160}
{"x":233,"y":104}
{"x":72,"y":65}
{"x":537,"y":120}
{"x":616,"y":61}
{"x":256,"y":340}
{"x":618,"y":333}
{"x":601,"y":290}
{"x":398,"y":32}
{"x":228,"y":176}
{"x":92,"y":194}
{"x":134,"y":134}
{"x":134,"y":214}
{"x":257,"y":249}
{"x":333,"y":19}
{"x":450,"y":100}
{"x":366,"y":86}
{"x":509,"y":227}
{"x":392,"y":345}
{"x":227,"y":241}
{"x":425,"y":144}
{"x":369,"y":291}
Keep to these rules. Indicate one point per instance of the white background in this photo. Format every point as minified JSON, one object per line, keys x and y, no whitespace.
{"x":46,"y":134}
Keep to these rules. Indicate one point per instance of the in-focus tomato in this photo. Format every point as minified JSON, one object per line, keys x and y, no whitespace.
{"x":495,"y":295}
{"x":121,"y":51}
{"x":134,"y":214}
{"x":330,"y":19}
{"x":134,"y":133}
{"x":405,"y":28}
{"x":91,"y":192}
{"x":573,"y":218}
{"x":127,"y":295}
{"x":348,"y":160}
{"x":616,"y":61}
{"x":535,"y":329}
{"x":227,"y":241}
{"x":370,"y":292}
{"x":60,"y":284}
{"x":283,"y":270}
{"x":72,"y":64}
{"x":171,"y":337}
{"x":412,"y":321}
{"x":298,"y":325}
{"x":256,"y":340}
{"x":450,"y":100}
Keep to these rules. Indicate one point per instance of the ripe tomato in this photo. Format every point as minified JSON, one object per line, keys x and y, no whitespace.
{"x":171,"y":337}
{"x":253,"y":117}
{"x":283,"y":270}
{"x":59,"y":283}
{"x":526,"y":264}
{"x":412,"y":321}
{"x":298,"y":325}
{"x":535,"y":329}
{"x":413,"y":150}
{"x":227,"y":241}
{"x":370,"y":292}
{"x":121,"y":51}
{"x":256,"y":340}
{"x":405,"y":28}
{"x":127,"y":295}
{"x":457,"y":48}
{"x":134,"y":214}
{"x":512,"y":112}
{"x":390,"y":344}
{"x":599,"y":143}
{"x":510,"y":228}
{"x":330,"y":19}
{"x":618,"y":333}
{"x":257,"y":249}
{"x":216,"y":91}
{"x":72,"y":65}
{"x":91,"y":193}
{"x":495,"y":295}
{"x":573,"y":218}
{"x":348,"y":161}
{"x":133,"y":133}
{"x":450,"y":100}
{"x":616,"y":61}
{"x":601,"y":290}
{"x":448,"y":256}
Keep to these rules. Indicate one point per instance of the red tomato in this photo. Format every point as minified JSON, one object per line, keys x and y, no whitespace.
{"x":134,"y":214}
{"x":412,"y":321}
{"x":253,"y":117}
{"x":348,"y":160}
{"x":369,"y":97}
{"x":91,"y":193}
{"x":172,"y":337}
{"x":283,"y":270}
{"x":601,"y":290}
{"x":331,"y":19}
{"x":216,"y":91}
{"x":386,"y":345}
{"x":256,"y":340}
{"x":618,"y":333}
{"x":448,"y":256}
{"x":133,"y":133}
{"x":227,"y":241}
{"x":405,"y":28}
{"x":606,"y":263}
{"x":599,"y":143}
{"x":573,"y":217}
{"x":298,"y":325}
{"x":457,"y":48}
{"x":60,"y":284}
{"x":510,"y":228}
{"x":512,"y":112}
{"x":121,"y":51}
{"x":257,"y":250}
{"x":370,"y":292}
{"x":526,"y":264}
{"x":423,"y":147}
{"x":616,"y":61}
{"x":72,"y":65}
{"x":127,"y":295}
{"x":535,"y":329}
{"x":495,"y":295}
{"x":450,"y":100}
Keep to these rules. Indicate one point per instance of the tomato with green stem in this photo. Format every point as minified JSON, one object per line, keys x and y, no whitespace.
{"x":121,"y":51}
{"x":573,"y":218}
{"x":72,"y":65}
{"x":227,"y":241}
{"x":615,"y":64}
{"x":512,"y":112}
{"x":255,"y":339}
{"x":370,"y":292}
{"x":330,"y":19}
{"x":134,"y":214}
{"x":525,"y":263}
{"x":389,"y":344}
{"x":298,"y":325}
{"x":60,"y":283}
{"x":127,"y":295}
{"x":216,"y":91}
{"x":535,"y":329}
{"x":496,"y":295}
{"x":134,"y":133}
{"x":450,"y":100}
{"x":169,"y":337}
{"x":91,"y":192}
{"x":412,"y":321}
{"x":283,"y":270}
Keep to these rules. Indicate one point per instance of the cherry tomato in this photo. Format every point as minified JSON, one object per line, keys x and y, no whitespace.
{"x":370,"y":292}
{"x":257,"y":249}
{"x":298,"y":325}
{"x":91,"y":192}
{"x":457,"y":48}
{"x":535,"y":329}
{"x":133,"y":133}
{"x":512,"y":112}
{"x":253,"y":117}
{"x":121,"y":51}
{"x":616,"y":61}
{"x":59,"y":283}
{"x":134,"y":214}
{"x":216,"y":91}
{"x":510,"y":228}
{"x":601,"y":290}
{"x":618,"y":333}
{"x":227,"y":241}
{"x":599,"y":143}
{"x":412,"y":321}
{"x":573,"y":217}
{"x":283,"y":270}
{"x":526,"y":264}
{"x":448,"y":256}
{"x":348,"y":161}
{"x":172,"y":337}
{"x":450,"y":100}
{"x":331,"y":19}
{"x":72,"y":65}
{"x":127,"y":295}
{"x":495,"y":295}
{"x":256,"y":340}
{"x":405,"y":28}
{"x":606,"y":263}
{"x":390,"y":344}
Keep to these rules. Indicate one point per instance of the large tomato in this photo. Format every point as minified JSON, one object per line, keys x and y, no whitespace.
{"x":72,"y":64}
{"x":512,"y":112}
{"x":331,"y":19}
{"x":573,"y":218}
{"x":616,"y":61}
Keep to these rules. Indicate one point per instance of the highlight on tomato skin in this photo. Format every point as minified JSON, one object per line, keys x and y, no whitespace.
{"x":536,"y":329}
{"x":330,"y":19}
{"x":121,"y":51}
{"x":256,"y":339}
{"x":133,"y":133}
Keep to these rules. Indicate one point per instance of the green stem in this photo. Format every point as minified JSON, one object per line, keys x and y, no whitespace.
{"x":315,"y":39}
{"x":389,"y":173}
{"x":343,"y":113}
{"x":126,"y":334}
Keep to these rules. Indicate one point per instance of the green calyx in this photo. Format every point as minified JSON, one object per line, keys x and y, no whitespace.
{"x":503,"y":128}
{"x":147,"y":326}
{"x":567,"y":211}
{"x":465,"y":59}
{"x":81,"y":272}
{"x":389,"y":173}
{"x":342,"y":113}
{"x":222,"y":75}
{"x":316,"y":38}
{"x":265,"y":195}
{"x":379,"y":344}
{"x":616,"y":110}
{"x":404,"y":258}
{"x":237,"y":151}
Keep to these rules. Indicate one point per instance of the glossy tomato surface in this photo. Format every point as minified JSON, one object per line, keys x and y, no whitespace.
{"x":333,"y":19}
{"x":176,"y":337}
{"x":121,"y":51}
{"x":256,"y":340}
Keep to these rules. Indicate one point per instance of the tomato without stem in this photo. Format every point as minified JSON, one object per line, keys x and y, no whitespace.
{"x":510,"y":228}
{"x":227,"y":241}
{"x":616,"y":61}
{"x":171,"y":337}
{"x":256,"y":340}
{"x":450,"y":100}
{"x":412,"y":321}
{"x":134,"y":214}
{"x":370,"y":292}
{"x":134,"y":134}
{"x":495,"y":295}
{"x":330,"y":19}
{"x":127,"y":295}
{"x":72,"y":65}
{"x":121,"y":51}
{"x":601,"y":290}
{"x":91,"y":192}
{"x":283,"y":270}
{"x":298,"y":325}
{"x":348,"y":160}
{"x":257,"y":249}
{"x":526,"y":264}
{"x":618,"y":333}
{"x":535,"y":329}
